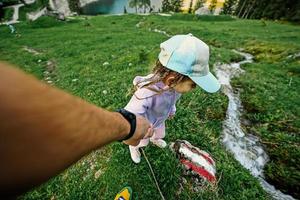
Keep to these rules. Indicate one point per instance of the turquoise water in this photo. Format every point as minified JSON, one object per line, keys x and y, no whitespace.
{"x":115,"y":7}
{"x":105,"y":7}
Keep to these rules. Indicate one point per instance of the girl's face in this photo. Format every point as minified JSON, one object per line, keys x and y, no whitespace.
{"x":185,"y":86}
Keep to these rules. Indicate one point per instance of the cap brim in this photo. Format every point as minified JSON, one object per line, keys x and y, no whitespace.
{"x":209,"y":82}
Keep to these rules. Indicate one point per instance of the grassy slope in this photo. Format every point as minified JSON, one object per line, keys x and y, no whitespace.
{"x":8,"y":14}
{"x":271,"y":98}
{"x":80,"y":48}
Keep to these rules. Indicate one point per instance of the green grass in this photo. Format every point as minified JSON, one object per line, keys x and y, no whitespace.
{"x":80,"y":47}
{"x":271,"y":98}
{"x":8,"y":14}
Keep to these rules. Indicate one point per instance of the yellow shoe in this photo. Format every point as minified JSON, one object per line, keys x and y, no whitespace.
{"x":124,"y":194}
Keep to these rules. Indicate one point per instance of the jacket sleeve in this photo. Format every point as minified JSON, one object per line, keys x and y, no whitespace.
{"x":173,"y":110}
{"x":140,"y":102}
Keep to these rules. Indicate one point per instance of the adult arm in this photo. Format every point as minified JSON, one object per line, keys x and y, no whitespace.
{"x":43,"y":130}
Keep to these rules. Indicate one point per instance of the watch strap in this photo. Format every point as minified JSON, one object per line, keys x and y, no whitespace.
{"x":131,"y":118}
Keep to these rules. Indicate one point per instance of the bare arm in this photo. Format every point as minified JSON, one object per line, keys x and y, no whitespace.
{"x":43,"y":130}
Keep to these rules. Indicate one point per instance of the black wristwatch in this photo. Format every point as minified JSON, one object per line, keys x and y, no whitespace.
{"x":131,"y":118}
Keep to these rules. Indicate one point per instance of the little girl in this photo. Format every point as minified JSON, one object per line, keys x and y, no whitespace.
{"x":182,"y":64}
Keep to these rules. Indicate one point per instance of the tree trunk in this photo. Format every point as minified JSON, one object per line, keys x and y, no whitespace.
{"x":247,"y":10}
{"x":240,"y":11}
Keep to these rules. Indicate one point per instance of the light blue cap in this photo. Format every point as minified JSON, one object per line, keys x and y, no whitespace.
{"x":189,"y":56}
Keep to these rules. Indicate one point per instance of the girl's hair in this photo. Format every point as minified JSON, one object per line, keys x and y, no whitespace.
{"x":160,"y":72}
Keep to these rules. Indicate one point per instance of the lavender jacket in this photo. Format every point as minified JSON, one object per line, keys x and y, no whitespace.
{"x":156,"y":108}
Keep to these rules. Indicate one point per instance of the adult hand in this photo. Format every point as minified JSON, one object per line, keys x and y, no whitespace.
{"x":143,"y":130}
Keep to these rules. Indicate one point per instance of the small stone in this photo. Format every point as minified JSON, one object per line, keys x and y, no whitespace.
{"x":184,"y":181}
{"x":50,"y":66}
{"x":98,"y":174}
{"x":49,"y":82}
{"x":92,"y":167}
{"x":105,"y":63}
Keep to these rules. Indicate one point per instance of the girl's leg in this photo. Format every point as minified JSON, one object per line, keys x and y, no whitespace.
{"x":159,"y":134}
{"x":134,"y":150}
{"x":143,"y":143}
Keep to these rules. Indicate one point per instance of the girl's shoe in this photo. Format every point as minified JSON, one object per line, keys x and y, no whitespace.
{"x":135,"y":154}
{"x":159,"y":142}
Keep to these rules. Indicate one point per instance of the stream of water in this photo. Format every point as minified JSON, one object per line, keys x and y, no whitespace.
{"x":246,"y":148}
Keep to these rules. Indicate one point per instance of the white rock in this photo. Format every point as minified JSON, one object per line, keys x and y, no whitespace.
{"x":105,"y":63}
{"x":61,"y":6}
{"x":165,"y":14}
{"x":98,"y":173}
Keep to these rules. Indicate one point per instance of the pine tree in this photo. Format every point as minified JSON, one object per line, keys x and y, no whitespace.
{"x":1,"y":11}
{"x":74,"y":6}
{"x":166,"y":6}
{"x":248,"y":8}
{"x":293,"y":11}
{"x":144,"y":4}
{"x":257,"y":10}
{"x":212,"y":6}
{"x":176,"y":5}
{"x":269,"y":9}
{"x":199,"y":4}
{"x":240,"y":7}
{"x":134,"y":4}
{"x":190,"y":7}
{"x":228,"y":7}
